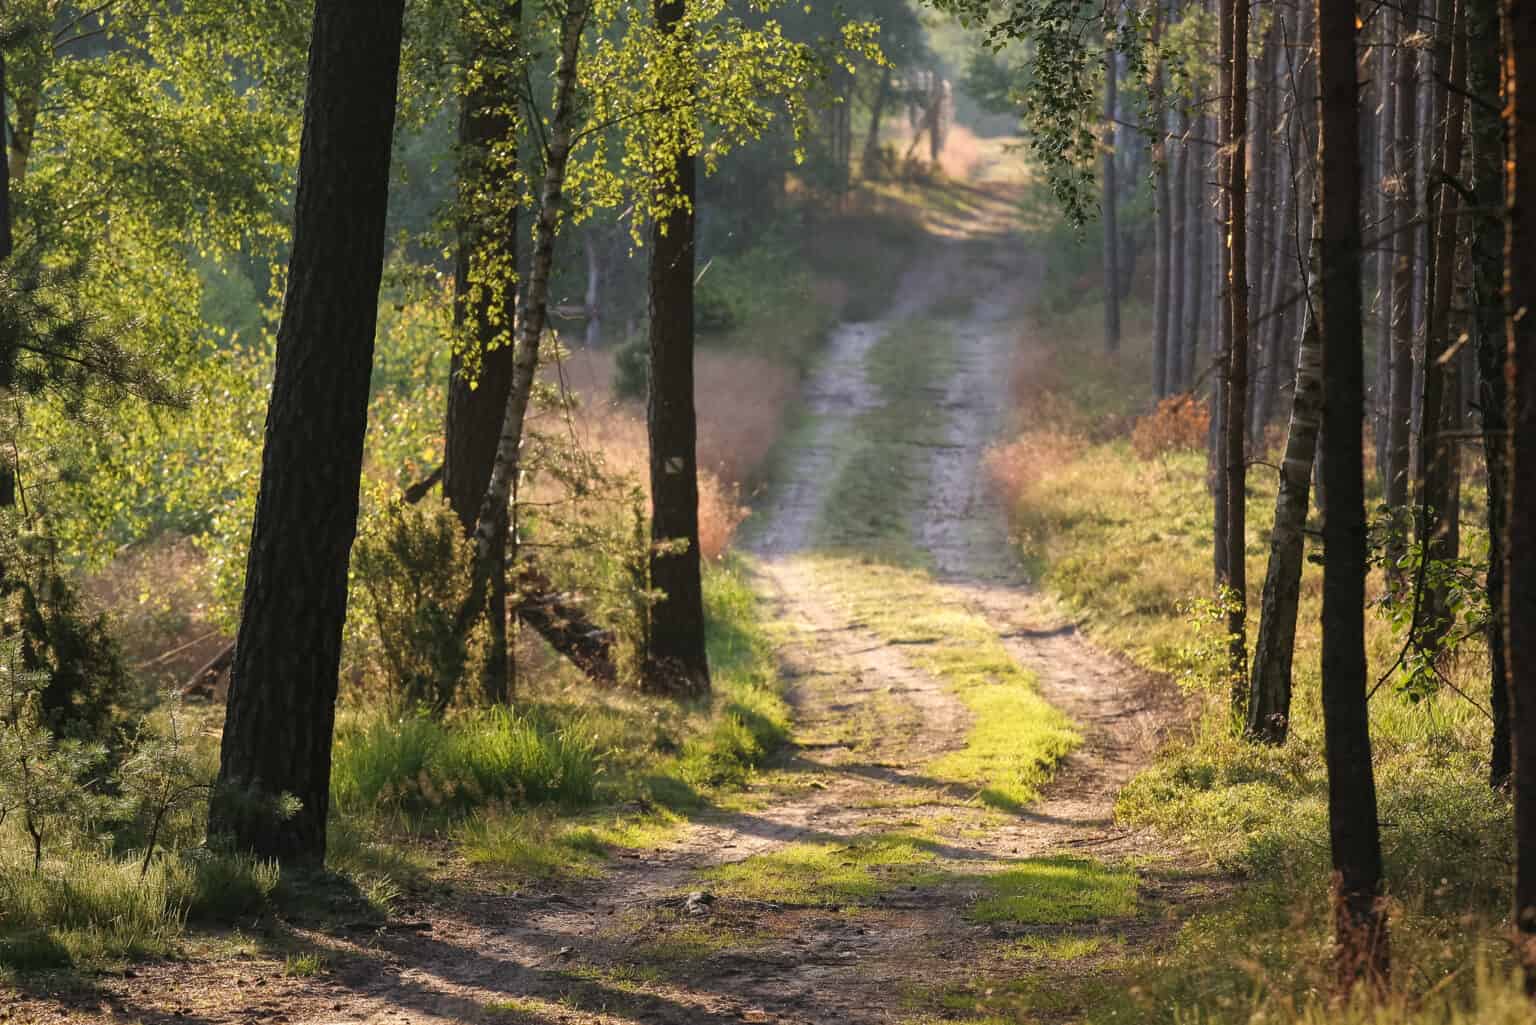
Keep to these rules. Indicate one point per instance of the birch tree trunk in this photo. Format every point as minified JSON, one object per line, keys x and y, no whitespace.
{"x":484,"y":308}
{"x":1269,"y":696}
{"x":492,"y":518}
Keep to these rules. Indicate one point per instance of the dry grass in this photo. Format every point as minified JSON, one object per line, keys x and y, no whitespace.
{"x":741,"y":402}
{"x":160,"y":598}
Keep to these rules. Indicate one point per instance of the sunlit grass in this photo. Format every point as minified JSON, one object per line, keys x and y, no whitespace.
{"x":1055,"y":891}
{"x":830,"y":872}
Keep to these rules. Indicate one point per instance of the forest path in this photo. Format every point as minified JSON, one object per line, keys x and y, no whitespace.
{"x":898,"y":865}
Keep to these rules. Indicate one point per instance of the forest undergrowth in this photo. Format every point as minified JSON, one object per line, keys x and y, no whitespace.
{"x":1112,"y":514}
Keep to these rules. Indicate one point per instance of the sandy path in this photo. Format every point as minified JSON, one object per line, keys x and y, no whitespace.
{"x":868,"y":722}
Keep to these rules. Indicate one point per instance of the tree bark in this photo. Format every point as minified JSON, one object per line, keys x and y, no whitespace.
{"x":1489,"y":343}
{"x":675,"y":662}
{"x":1404,"y":235}
{"x":1162,"y":242}
{"x":1437,"y":456}
{"x":484,"y":308}
{"x":282,"y":693}
{"x":870,"y":163}
{"x":1269,"y":698}
{"x":7,"y":247}
{"x":1235,"y":476}
{"x":492,"y":517}
{"x":1174,"y":372}
{"x":1111,"y":202}
{"x":1194,"y":251}
{"x":1354,"y":832}
{"x":1519,"y":24}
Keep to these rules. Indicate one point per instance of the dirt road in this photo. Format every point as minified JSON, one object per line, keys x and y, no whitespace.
{"x":668,"y":937}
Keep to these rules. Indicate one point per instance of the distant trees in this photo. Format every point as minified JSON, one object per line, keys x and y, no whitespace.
{"x":274,"y":768}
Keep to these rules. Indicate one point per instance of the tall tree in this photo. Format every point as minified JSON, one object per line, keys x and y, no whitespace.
{"x":1438,"y":490}
{"x":1404,"y":234}
{"x":1269,"y":695}
{"x":1235,"y":423}
{"x":485,"y":291}
{"x":1360,"y":922}
{"x":1111,"y":199}
{"x":7,"y":247}
{"x":282,"y":695}
{"x":675,"y":662}
{"x":1162,"y":243}
{"x":1519,"y":24}
{"x":491,"y":520}
{"x":1487,"y":242}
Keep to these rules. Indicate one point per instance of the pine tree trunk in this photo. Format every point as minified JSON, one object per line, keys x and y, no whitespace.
{"x":1235,"y":476}
{"x":1386,"y":246}
{"x":1519,"y":22}
{"x":484,"y":312}
{"x":1489,"y":342}
{"x":1269,"y":698}
{"x":1404,"y":235}
{"x":282,"y":692}
{"x":1195,"y":252}
{"x":675,"y":662}
{"x":1111,"y":201}
{"x":7,"y":247}
{"x":1161,"y":242}
{"x":1174,"y":378}
{"x":1354,"y":832}
{"x":1437,"y":469}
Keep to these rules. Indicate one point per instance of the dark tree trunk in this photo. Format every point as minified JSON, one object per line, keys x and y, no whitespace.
{"x":282,"y":692}
{"x":1235,"y":474}
{"x":1161,"y":243}
{"x":1520,"y":551}
{"x":1174,"y":375}
{"x":1269,"y":698}
{"x":1354,"y":832}
{"x":484,"y":309}
{"x":1489,"y":342}
{"x":7,"y":247}
{"x":870,"y":164}
{"x":675,"y":662}
{"x":1194,"y":251}
{"x":1111,"y":201}
{"x":1404,"y":235}
{"x":1442,"y":403}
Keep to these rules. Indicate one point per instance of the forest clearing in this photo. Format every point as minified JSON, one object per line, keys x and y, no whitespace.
{"x":698,"y":512}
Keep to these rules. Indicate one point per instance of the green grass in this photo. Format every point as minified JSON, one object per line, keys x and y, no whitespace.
{"x":827,"y":872}
{"x":85,"y":909}
{"x":1125,"y":543}
{"x":1055,"y":891}
{"x":1055,"y":948}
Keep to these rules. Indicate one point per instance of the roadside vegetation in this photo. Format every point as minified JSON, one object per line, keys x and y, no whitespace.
{"x":1111,"y":512}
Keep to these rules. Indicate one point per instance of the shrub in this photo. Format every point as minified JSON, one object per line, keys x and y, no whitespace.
{"x":413,"y":568}
{"x":1179,"y":423}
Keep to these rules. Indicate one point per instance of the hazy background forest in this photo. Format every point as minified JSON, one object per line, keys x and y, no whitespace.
{"x":763,"y":512}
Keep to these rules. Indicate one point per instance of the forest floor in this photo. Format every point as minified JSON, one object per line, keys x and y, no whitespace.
{"x":937,"y":844}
